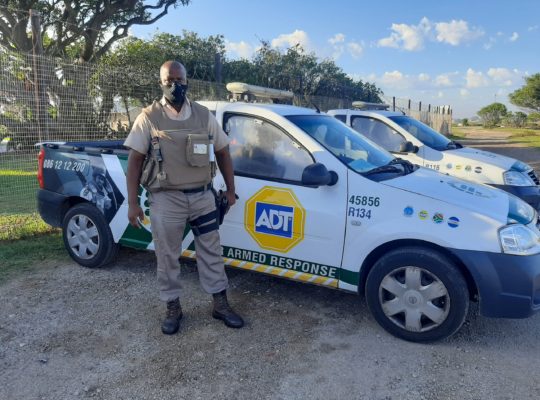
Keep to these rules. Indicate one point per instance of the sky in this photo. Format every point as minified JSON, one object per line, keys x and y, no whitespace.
{"x":466,"y":54}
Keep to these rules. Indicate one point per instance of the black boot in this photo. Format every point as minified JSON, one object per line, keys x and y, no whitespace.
{"x":172,"y":320}
{"x":224,"y":312}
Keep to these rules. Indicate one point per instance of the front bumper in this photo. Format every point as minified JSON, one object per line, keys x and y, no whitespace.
{"x":529,"y":194}
{"x":508,"y":285}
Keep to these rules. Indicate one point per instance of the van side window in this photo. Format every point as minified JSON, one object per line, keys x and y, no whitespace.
{"x":260,"y":149}
{"x":378,"y":132}
{"x":341,"y":117}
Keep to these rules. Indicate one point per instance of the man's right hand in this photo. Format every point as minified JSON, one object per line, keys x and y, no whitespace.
{"x":135,"y":214}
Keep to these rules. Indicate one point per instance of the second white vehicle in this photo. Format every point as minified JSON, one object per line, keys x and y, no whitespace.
{"x":416,"y":142}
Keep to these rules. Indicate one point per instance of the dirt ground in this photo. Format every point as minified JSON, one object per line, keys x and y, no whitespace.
{"x":67,"y":332}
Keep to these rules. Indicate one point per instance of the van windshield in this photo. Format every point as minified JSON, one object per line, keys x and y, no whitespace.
{"x":424,"y":133}
{"x":350,"y":147}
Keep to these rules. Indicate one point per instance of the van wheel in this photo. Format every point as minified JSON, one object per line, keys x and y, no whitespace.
{"x":417,"y":294}
{"x":87,"y":236}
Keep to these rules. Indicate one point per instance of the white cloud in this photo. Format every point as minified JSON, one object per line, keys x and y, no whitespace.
{"x":413,"y":37}
{"x":456,"y":32}
{"x":337,"y":38}
{"x":514,"y":37}
{"x":390,"y":41}
{"x":396,"y":80}
{"x":440,"y":94}
{"x":292,"y":39}
{"x":532,"y":28}
{"x":464,"y":92}
{"x":505,"y":76}
{"x":443,"y":80}
{"x":355,"y":49}
{"x":241,"y":49}
{"x":410,"y":37}
{"x":475,"y":79}
{"x":422,"y":77}
{"x":490,"y":43}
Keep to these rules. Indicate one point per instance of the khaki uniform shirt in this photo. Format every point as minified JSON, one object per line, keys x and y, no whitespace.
{"x":139,"y":138}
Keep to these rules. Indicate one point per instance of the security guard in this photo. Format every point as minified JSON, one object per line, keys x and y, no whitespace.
{"x":171,"y":146}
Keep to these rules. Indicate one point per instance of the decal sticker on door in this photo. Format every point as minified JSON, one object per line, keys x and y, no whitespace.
{"x":275,"y":219}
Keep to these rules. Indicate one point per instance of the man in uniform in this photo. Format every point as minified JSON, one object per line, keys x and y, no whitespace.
{"x":180,"y":191}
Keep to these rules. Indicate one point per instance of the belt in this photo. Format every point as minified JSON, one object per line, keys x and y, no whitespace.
{"x":197,"y":190}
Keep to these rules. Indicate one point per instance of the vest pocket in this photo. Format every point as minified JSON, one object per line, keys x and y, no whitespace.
{"x":197,"y":150}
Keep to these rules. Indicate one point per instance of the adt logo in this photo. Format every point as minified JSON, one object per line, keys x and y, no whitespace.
{"x":274,"y":219}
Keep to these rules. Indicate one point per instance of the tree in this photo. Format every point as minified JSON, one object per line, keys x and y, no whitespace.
{"x":528,"y":96}
{"x":533,"y":118}
{"x":90,"y":27}
{"x":491,"y":115}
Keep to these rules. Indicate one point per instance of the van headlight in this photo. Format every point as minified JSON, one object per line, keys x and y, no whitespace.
{"x":517,"y":178}
{"x":519,"y":212}
{"x":519,"y":240}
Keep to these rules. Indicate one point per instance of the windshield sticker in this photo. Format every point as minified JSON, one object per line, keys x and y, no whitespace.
{"x":438,"y":218}
{"x":458,"y":166}
{"x":449,"y":166}
{"x":275,"y":219}
{"x":453,"y":222}
{"x":423,"y":214}
{"x":472,"y":190}
{"x":408,"y":211}
{"x":468,"y":168}
{"x":478,"y":170}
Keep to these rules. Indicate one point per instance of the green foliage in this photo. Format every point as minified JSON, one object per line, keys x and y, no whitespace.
{"x":84,"y":29}
{"x":135,"y":64}
{"x":465,"y":122}
{"x":528,"y":96}
{"x":533,"y":118}
{"x":516,"y":120}
{"x":491,"y":115}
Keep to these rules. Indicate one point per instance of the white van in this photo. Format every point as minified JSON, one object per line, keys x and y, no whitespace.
{"x":429,"y":148}
{"x":319,"y":203}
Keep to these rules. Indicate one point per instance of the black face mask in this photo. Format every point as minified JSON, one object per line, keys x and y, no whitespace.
{"x":175,"y":94}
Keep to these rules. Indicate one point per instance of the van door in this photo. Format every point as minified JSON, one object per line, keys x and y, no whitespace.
{"x":278,"y":226}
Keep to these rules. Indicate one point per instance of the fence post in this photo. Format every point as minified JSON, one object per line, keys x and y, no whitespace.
{"x":37,"y":51}
{"x":217,"y":67}
{"x":393,"y":103}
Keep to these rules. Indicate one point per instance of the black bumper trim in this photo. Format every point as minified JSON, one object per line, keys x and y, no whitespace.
{"x":508,"y":285}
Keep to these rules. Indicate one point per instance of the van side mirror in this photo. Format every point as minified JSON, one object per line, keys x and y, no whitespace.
{"x":408,"y":147}
{"x":316,"y":175}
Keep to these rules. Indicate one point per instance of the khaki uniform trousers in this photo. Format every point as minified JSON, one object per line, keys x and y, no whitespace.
{"x":169,"y":212}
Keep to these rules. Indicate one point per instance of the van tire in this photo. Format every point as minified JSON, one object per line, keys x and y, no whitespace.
{"x":87,"y":236}
{"x":417,"y":294}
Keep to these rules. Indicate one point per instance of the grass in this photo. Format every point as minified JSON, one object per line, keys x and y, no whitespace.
{"x":527,"y":136}
{"x":531,"y":139}
{"x":29,"y":254}
{"x":17,"y":226}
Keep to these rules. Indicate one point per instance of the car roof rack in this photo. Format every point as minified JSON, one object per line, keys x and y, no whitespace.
{"x":364,"y":105}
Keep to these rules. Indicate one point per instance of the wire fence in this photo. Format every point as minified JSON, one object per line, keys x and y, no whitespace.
{"x":47,"y":99}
